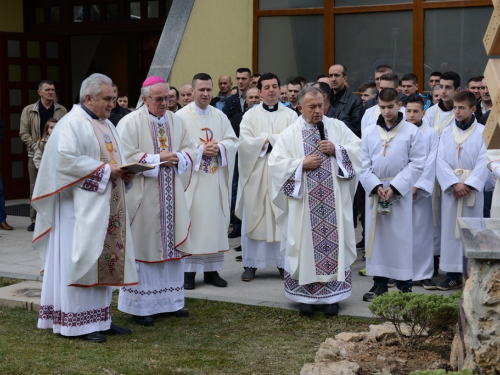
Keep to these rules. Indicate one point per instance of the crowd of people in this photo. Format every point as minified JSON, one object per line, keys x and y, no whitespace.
{"x":291,"y":168}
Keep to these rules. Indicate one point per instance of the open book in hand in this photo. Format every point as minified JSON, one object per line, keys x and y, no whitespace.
{"x":139,"y":167}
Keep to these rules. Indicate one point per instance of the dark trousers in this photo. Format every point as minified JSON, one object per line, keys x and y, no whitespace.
{"x":235,"y":222}
{"x":3,"y":215}
{"x":360,"y":199}
{"x":454,"y":276}
{"x":488,"y":197}
{"x":383,"y":281}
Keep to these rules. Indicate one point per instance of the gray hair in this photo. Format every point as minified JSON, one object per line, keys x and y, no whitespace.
{"x":307,"y":90}
{"x":437,"y":87}
{"x":91,"y":86}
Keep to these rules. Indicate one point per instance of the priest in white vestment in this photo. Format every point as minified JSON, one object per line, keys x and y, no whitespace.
{"x":157,"y":205}
{"x":82,"y":231}
{"x":439,"y":117}
{"x":313,"y":187}
{"x":423,"y":243}
{"x":208,"y":193}
{"x":394,"y":154}
{"x":462,"y":173}
{"x":259,"y":131}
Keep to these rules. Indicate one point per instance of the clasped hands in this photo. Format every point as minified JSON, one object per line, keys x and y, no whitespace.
{"x":460,"y":190}
{"x":211,"y":148}
{"x":385,"y":194}
{"x":170,"y":158}
{"x":313,"y":161}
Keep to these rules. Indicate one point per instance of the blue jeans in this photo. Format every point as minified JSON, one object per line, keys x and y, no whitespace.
{"x":3,"y":215}
{"x":383,"y":281}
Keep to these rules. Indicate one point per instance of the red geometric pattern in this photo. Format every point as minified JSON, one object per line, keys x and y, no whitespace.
{"x":92,"y":182}
{"x":318,"y":290}
{"x":71,"y":319}
{"x":321,"y":201}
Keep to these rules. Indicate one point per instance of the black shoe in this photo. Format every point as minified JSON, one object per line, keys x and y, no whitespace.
{"x":391,"y":283}
{"x":449,"y":284}
{"x":237,"y":248}
{"x":189,"y":280}
{"x":93,"y":337}
{"x":114,"y":330}
{"x":406,"y":290}
{"x":248,"y":274}
{"x":282,"y":272}
{"x":428,"y":284}
{"x":375,"y":291}
{"x":331,"y":309}
{"x":214,"y":279}
{"x":306,"y":308}
{"x":236,"y":232}
{"x":239,"y":258}
{"x":146,"y":321}
{"x":182,"y":313}
{"x":360,"y":245}
{"x":31,"y":228}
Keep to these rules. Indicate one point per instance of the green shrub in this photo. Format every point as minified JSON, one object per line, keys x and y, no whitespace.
{"x":442,"y":372}
{"x":424,"y":314}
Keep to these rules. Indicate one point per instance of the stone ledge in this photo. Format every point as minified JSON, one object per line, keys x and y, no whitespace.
{"x":25,"y":295}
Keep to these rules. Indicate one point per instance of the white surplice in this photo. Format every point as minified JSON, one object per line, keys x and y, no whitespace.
{"x":471,"y":169}
{"x":209,"y":191}
{"x":438,"y":119}
{"x":401,"y":167}
{"x":423,"y":244}
{"x":73,"y":204}
{"x":371,"y":115}
{"x":260,"y":238}
{"x":314,"y":210}
{"x":160,"y":216}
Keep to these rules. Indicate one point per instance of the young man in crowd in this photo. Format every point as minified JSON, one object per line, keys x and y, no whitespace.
{"x":409,"y":86}
{"x":462,"y":173}
{"x":393,"y":160}
{"x":423,"y":244}
{"x":367,"y":90}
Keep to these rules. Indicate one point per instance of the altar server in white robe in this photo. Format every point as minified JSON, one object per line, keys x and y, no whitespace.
{"x":82,"y":231}
{"x":313,"y":187}
{"x":157,"y":205}
{"x":462,"y":173}
{"x":208,"y":193}
{"x":394,"y":154}
{"x":259,"y":131}
{"x":423,"y":243}
{"x":371,"y":115}
{"x":439,"y":117}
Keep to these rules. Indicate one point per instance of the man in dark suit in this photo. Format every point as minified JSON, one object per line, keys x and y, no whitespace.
{"x":236,"y":103}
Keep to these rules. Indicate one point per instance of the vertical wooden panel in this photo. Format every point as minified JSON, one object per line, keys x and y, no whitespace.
{"x":329,"y":37}
{"x":418,"y":42}
{"x":255,"y":42}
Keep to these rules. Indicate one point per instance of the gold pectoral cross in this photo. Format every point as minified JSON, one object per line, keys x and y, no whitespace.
{"x":385,"y":145}
{"x":459,"y":148}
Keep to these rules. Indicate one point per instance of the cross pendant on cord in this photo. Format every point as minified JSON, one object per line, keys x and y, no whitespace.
{"x":459,"y":148}
{"x":385,"y":145}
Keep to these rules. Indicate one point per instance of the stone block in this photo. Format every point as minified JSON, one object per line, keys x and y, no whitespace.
{"x":332,"y":368}
{"x":26,"y":295}
{"x":328,"y":351}
{"x":350,"y":336}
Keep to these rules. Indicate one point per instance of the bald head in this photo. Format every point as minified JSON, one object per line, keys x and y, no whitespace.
{"x":253,"y":97}
{"x":225,"y":84}
{"x":186,"y":92}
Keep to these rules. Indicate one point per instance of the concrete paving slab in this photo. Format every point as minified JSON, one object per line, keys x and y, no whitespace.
{"x":26,"y":295}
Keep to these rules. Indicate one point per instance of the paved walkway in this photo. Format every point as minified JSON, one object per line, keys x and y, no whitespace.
{"x":19,"y":260}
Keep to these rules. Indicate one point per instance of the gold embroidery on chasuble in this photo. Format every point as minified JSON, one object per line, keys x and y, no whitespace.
{"x":111,"y":262}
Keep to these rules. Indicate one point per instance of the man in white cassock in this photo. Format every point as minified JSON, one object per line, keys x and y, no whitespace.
{"x":462,"y":173}
{"x":313,"y":187}
{"x":157,"y":205}
{"x":423,"y":243}
{"x":208,"y":193}
{"x":259,"y":131}
{"x":439,"y":117}
{"x":394,"y":154}
{"x":82,"y":231}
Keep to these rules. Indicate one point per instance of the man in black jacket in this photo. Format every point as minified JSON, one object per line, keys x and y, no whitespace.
{"x":329,"y":110}
{"x":236,"y":103}
{"x":343,"y":99}
{"x":118,"y":112}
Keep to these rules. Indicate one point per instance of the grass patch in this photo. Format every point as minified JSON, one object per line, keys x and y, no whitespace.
{"x":6,"y":281}
{"x":218,"y":338}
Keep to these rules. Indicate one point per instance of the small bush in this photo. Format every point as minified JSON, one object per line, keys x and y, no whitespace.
{"x":424,"y":314}
{"x":442,"y":372}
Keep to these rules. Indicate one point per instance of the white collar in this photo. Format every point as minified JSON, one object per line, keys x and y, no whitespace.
{"x":154,"y":118}
{"x":306,"y":124}
{"x":200,"y":111}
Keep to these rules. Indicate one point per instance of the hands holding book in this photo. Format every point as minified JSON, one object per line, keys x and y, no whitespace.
{"x":118,"y":172}
{"x":170,"y":158}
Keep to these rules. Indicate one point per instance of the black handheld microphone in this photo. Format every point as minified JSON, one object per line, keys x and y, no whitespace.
{"x":321,"y":129}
